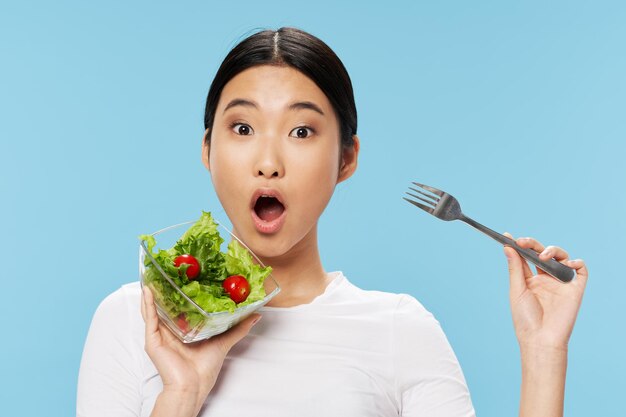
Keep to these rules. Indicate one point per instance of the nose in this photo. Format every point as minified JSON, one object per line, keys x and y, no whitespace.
{"x":269,"y":161}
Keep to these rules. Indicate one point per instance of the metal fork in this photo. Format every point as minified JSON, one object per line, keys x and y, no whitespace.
{"x":445,"y":207}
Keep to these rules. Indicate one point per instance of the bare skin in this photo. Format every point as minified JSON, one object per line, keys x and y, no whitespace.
{"x":544,"y":311}
{"x":253,"y":146}
{"x":304,"y":170}
{"x":188,"y":372}
{"x":270,"y":157}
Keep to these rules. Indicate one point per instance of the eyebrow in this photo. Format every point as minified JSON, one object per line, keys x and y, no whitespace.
{"x":240,"y":102}
{"x":299,"y":105}
{"x":306,"y":105}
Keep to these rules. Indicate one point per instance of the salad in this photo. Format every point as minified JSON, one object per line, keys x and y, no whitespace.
{"x":214,"y":280}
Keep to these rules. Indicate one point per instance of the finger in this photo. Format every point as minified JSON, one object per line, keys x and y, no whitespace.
{"x":507,"y":234}
{"x":228,"y":339}
{"x":517,"y":280}
{"x":530,"y":243}
{"x":167,"y":336}
{"x":528,"y":273}
{"x":143,"y":304}
{"x":554,"y":252}
{"x":149,"y":313}
{"x":581,"y":269}
{"x":525,"y":268}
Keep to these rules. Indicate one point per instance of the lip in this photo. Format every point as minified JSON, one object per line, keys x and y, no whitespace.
{"x":261,"y":225}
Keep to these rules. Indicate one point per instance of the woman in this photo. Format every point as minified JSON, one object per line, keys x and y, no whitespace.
{"x":280,"y":134}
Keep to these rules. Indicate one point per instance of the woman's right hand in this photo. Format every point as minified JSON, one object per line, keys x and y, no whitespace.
{"x":188,"y":372}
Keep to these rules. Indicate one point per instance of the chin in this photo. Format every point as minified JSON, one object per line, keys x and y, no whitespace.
{"x":269,"y":247}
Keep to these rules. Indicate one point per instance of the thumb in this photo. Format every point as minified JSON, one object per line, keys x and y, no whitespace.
{"x":517,"y":281}
{"x":234,"y":335}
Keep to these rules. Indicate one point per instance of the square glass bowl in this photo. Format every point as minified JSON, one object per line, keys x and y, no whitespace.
{"x":211,"y":324}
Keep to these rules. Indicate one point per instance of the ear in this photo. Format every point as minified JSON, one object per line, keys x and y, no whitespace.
{"x":206,"y":147}
{"x":349,"y":159}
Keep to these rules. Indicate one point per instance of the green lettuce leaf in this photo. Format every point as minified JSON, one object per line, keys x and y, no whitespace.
{"x":239,"y":261}
{"x":203,"y":241}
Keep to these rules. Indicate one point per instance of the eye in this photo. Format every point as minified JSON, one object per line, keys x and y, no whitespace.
{"x":242,"y":129}
{"x":301,"y":132}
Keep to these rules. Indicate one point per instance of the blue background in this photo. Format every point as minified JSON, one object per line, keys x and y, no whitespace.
{"x":516,"y":108}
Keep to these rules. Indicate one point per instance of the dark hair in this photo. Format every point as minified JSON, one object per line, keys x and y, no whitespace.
{"x":300,"y":50}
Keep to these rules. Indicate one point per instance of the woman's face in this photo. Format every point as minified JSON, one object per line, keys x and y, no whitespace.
{"x":275,"y":158}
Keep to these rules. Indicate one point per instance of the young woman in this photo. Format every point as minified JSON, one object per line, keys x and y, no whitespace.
{"x":280,"y":135}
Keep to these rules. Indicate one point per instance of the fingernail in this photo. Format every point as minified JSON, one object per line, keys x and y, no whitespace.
{"x":256,"y":320}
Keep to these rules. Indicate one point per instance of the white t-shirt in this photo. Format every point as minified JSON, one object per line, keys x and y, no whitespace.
{"x":349,"y":352}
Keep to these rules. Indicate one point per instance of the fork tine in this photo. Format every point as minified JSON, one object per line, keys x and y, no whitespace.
{"x":432,"y":197}
{"x":430,"y":203}
{"x":422,"y":206}
{"x":431,"y":189}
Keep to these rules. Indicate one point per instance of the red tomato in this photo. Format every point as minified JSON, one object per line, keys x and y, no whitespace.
{"x":237,"y":288}
{"x":181,"y":322}
{"x":194,"y":267}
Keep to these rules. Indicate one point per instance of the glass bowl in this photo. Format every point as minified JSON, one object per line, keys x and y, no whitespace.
{"x":210,"y":324}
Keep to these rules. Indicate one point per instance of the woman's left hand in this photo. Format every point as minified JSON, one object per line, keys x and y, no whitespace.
{"x":544,"y":309}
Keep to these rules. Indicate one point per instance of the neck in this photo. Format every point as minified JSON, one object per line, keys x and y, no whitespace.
{"x":299,"y":273}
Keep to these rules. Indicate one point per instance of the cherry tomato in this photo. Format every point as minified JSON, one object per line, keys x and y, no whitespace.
{"x":194,"y":267}
{"x":237,"y":288}
{"x":181,"y":322}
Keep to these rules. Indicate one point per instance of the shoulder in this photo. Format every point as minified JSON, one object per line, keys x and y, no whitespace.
{"x":412,"y":327}
{"x":118,"y":317}
{"x":113,"y":363}
{"x":421,"y":365}
{"x":402,"y":305}
{"x":120,"y":303}
{"x":424,"y":369}
{"x":397,"y":313}
{"x":117,"y":329}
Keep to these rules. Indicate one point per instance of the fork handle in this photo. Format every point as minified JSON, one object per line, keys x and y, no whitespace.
{"x":551,"y":266}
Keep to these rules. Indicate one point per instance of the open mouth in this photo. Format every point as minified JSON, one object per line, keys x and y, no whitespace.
{"x":268,"y":211}
{"x":268,"y":208}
